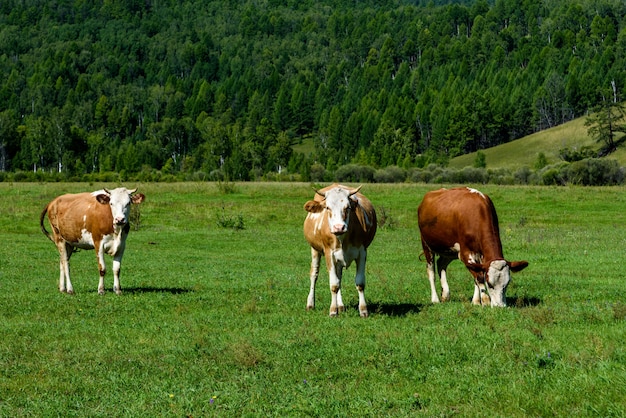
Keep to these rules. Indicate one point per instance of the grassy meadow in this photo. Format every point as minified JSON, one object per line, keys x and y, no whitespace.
{"x":212,"y":321}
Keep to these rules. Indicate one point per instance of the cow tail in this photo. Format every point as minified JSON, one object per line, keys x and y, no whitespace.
{"x":41,"y":223}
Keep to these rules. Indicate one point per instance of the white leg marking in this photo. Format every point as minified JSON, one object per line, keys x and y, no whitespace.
{"x":334,"y":278}
{"x":430,"y":268}
{"x":445,"y":290}
{"x":315,"y":269}
{"x":360,"y":281}
{"x":117,"y":266}
{"x":476,"y":297}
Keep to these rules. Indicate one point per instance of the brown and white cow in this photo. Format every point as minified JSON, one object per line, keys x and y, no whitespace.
{"x":340,"y":225}
{"x":463,"y":223}
{"x":87,"y":221}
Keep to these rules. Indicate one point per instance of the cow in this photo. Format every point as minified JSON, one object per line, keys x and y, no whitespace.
{"x":340,"y":225}
{"x":463,"y":223}
{"x":98,"y":220}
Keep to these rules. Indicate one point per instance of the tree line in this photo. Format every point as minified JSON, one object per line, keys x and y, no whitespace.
{"x":240,"y":90}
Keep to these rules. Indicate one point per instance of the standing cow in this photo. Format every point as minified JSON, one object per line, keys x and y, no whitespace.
{"x":340,"y":225}
{"x":97,"y":220}
{"x":462,"y":223}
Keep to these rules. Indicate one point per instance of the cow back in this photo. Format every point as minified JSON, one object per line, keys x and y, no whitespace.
{"x":71,"y":214}
{"x":449,"y":217}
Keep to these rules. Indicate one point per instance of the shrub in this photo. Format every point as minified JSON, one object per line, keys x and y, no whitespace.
{"x":522,"y":175}
{"x":572,"y":154}
{"x":473,"y":175}
{"x":384,"y":218}
{"x":355,"y":173}
{"x":418,"y":175}
{"x":235,"y":222}
{"x":481,"y":160}
{"x":217,"y":175}
{"x":391,"y":174}
{"x":317,"y":173}
{"x":595,"y":172}
{"x":551,"y":177}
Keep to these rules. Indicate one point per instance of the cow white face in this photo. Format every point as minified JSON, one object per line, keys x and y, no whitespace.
{"x":498,"y":278}
{"x":119,"y":200}
{"x":339,"y":202}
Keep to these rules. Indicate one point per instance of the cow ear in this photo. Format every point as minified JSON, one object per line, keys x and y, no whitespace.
{"x":313,"y":206}
{"x":103,"y":198}
{"x":516,"y":266}
{"x":137,"y":198}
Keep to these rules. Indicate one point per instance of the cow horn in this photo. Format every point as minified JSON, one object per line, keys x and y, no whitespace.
{"x":132,"y":191}
{"x":355,"y":191}
{"x":319,"y":193}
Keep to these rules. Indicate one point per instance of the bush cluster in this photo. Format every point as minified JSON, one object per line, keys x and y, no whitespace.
{"x":584,"y":172}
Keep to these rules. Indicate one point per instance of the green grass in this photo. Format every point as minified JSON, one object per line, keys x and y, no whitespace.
{"x":212,"y":321}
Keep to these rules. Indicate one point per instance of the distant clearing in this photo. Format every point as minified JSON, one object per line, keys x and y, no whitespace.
{"x":524,"y":151}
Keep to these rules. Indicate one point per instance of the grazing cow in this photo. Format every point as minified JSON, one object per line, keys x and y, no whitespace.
{"x":340,"y":225}
{"x":97,"y":220}
{"x":462,"y":223}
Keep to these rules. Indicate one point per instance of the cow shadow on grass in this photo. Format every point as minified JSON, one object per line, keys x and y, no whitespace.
{"x":523,"y":301}
{"x":394,"y":309}
{"x":170,"y":290}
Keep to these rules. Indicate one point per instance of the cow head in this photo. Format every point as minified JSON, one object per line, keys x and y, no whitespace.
{"x":338,"y":202}
{"x":497,"y":275}
{"x":119,"y":200}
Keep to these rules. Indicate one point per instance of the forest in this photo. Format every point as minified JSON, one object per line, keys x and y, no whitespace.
{"x":250,"y":89}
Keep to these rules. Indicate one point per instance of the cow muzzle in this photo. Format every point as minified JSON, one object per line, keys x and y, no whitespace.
{"x":120,"y":221}
{"x":339,"y":229}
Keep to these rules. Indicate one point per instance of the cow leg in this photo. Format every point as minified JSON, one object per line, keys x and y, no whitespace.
{"x":117,"y":268}
{"x":359,"y":281}
{"x":335,"y":271}
{"x":430,"y":269}
{"x":442,"y":265}
{"x":481,"y":295}
{"x":101,"y":268}
{"x":65,"y":252}
{"x":334,"y":277}
{"x":315,"y":269}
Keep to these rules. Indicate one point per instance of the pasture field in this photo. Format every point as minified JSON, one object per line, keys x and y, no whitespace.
{"x":212,"y":321}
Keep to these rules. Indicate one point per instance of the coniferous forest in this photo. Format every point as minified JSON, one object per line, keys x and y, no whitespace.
{"x":243,"y":90}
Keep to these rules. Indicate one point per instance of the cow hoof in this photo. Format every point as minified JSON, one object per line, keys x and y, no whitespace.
{"x":310,"y":307}
{"x":101,"y":292}
{"x":333,"y":313}
{"x":70,"y":292}
{"x":364,"y":314}
{"x":118,"y":292}
{"x":341,"y":308}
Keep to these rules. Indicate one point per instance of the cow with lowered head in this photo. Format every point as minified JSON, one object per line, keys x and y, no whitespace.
{"x":98,"y":220}
{"x":340,"y":225}
{"x":462,"y":223}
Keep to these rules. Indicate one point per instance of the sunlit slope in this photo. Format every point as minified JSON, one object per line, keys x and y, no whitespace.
{"x":524,"y":151}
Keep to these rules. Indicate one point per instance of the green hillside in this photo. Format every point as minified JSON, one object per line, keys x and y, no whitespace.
{"x":524,"y":151}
